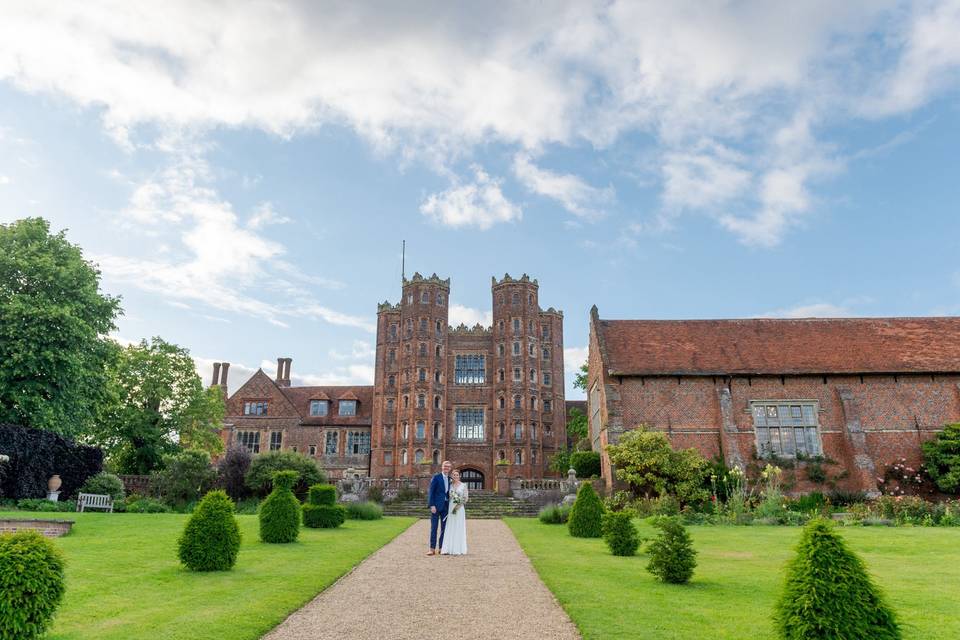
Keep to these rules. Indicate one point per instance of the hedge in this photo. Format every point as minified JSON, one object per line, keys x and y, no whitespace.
{"x":36,"y":455}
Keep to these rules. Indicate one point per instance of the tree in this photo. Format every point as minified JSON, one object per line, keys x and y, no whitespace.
{"x":580,"y":378}
{"x":185,"y":477}
{"x":942,"y":457}
{"x":260,"y":477}
{"x":586,"y":517}
{"x":672,"y":556}
{"x":646,"y":460}
{"x":829,"y":594}
{"x":577,"y":428}
{"x":53,"y":323}
{"x":158,"y":404}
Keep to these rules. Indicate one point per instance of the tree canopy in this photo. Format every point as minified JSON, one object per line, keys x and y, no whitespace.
{"x":646,"y":460}
{"x":53,"y":326}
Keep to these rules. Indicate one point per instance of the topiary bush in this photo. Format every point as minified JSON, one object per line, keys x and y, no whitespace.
{"x":105,"y":484}
{"x":829,"y":594}
{"x":140,"y":504}
{"x":620,"y":534}
{"x":211,"y":538}
{"x":585,"y":463}
{"x":322,"y":510}
{"x":672,"y":556}
{"x":586,"y":516}
{"x":554,"y":514}
{"x":942,"y":457}
{"x":364,"y":511}
{"x":31,"y":585}
{"x":280,"y":513}
{"x":259,"y":478}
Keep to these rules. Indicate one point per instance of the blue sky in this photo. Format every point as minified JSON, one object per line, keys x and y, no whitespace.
{"x":243,"y":174}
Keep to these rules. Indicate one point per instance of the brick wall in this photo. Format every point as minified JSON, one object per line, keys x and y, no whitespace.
{"x":47,"y":528}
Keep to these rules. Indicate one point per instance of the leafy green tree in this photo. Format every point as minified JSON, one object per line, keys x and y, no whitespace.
{"x":580,"y":378}
{"x":53,"y":327}
{"x":158,"y":405}
{"x":185,"y":477}
{"x":263,"y":467}
{"x":585,"y":463}
{"x":672,"y":556}
{"x":577,"y":428}
{"x":647,"y":462}
{"x":829,"y":594}
{"x":942,"y":457}
{"x":620,"y":534}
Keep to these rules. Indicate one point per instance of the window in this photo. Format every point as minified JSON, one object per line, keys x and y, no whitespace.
{"x":469,"y":424}
{"x":436,"y":456}
{"x":313,"y":449}
{"x":516,"y":325}
{"x":348,"y":407}
{"x":547,"y":380}
{"x":530,"y":326}
{"x":436,"y":402}
{"x":500,"y":350}
{"x":439,"y":328}
{"x":421,"y":401}
{"x":392,"y":355}
{"x":410,"y":299}
{"x":518,"y":457}
{"x":533,"y":375}
{"x":501,"y":432}
{"x":436,"y":351}
{"x":436,"y":375}
{"x":358,"y":442}
{"x":258,"y":408}
{"x":517,"y":403}
{"x":516,"y":348}
{"x":469,"y":369}
{"x":533,"y":403}
{"x":406,"y":349}
{"x":425,"y":297}
{"x":390,"y":404}
{"x":403,"y":458}
{"x":388,"y":457}
{"x":330,"y":445}
{"x":406,"y":430}
{"x":548,"y":406}
{"x":500,"y":326}
{"x":276,"y":439}
{"x":518,"y":431}
{"x":440,"y":299}
{"x":501,"y":455}
{"x":547,"y":429}
{"x":516,"y":298}
{"x":546,"y":353}
{"x":319,"y":407}
{"x":406,"y":376}
{"x":533,"y":430}
{"x":437,"y":431}
{"x":410,"y":326}
{"x":530,"y":298}
{"x":393,"y":331}
{"x":406,"y":401}
{"x":501,"y":403}
{"x":249,"y":440}
{"x":423,"y":324}
{"x":500,"y":375}
{"x":423,"y":349}
{"x":532,"y":350}
{"x":516,"y":374}
{"x":546,"y":332}
{"x":786,"y":429}
{"x":422,"y":375}
{"x":421,"y":430}
{"x":533,"y":456}
{"x":418,"y":456}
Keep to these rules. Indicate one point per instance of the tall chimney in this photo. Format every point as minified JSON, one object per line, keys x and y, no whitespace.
{"x":223,"y":375}
{"x":280,"y":367}
{"x":216,"y":374}
{"x":286,"y":373}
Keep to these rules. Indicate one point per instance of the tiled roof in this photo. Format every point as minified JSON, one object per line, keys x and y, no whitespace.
{"x":779,"y":347}
{"x":300,"y":397}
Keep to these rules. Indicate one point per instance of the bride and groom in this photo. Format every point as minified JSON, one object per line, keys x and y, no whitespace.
{"x":448,"y":514}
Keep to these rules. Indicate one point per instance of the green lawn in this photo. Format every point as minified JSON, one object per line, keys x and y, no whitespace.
{"x":124,"y":580}
{"x":737,"y":580}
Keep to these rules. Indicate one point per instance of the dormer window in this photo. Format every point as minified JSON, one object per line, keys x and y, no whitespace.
{"x":255,"y":408}
{"x":319,"y":407}
{"x":348,"y":407}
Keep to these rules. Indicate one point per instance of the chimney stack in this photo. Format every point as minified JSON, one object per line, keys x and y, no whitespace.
{"x":216,"y":374}
{"x":283,"y":371}
{"x":286,"y":374}
{"x":224,"y":368}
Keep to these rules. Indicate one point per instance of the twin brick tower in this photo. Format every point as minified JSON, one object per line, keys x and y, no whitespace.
{"x":486,"y":398}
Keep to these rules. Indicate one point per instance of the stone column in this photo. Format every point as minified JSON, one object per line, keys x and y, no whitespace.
{"x":728,"y":430}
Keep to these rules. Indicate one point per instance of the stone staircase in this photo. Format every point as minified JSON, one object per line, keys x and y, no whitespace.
{"x":484,"y":504}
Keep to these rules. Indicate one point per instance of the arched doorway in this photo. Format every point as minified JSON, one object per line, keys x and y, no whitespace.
{"x":472,"y":478}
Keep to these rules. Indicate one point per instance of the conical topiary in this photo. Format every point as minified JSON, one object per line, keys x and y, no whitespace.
{"x":211,"y":539}
{"x":829,"y":594}
{"x":620,"y":534}
{"x":322,"y":510}
{"x":280,"y":512}
{"x":586,"y":517}
{"x":672,"y":556}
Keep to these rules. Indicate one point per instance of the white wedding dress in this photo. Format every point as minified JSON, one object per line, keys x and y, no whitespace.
{"x":455,"y":535}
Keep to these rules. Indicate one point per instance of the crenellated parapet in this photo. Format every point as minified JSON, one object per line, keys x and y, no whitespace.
{"x":524,"y":279}
{"x":432,"y":279}
{"x":386,"y":307}
{"x":552,"y":312}
{"x":476,"y":330}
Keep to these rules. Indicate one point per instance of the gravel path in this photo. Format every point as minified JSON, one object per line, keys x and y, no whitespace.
{"x":399,"y":593}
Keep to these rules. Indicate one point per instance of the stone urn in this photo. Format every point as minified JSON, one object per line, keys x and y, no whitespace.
{"x":53,"y":484}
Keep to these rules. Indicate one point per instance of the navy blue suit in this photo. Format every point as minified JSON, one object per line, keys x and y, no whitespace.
{"x":439,"y":497}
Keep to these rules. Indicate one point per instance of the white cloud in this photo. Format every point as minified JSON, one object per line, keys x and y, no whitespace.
{"x":359,"y":349}
{"x":459,"y":314}
{"x":239,"y":373}
{"x":820,"y":309}
{"x":576,"y":196}
{"x":479,"y":204}
{"x":574,"y":358}
{"x":265,"y":215}
{"x":4,"y":179}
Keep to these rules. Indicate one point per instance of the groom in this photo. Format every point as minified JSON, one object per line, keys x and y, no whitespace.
{"x":438,"y":499}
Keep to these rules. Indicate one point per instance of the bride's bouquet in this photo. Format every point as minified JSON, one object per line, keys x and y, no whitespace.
{"x":456,"y":500}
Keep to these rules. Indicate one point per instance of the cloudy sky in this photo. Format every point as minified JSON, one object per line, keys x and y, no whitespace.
{"x":243,"y":173}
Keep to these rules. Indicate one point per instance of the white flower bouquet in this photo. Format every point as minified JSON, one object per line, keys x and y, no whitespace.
{"x":457,"y":501}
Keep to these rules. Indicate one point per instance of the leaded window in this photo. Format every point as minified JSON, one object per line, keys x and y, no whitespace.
{"x":547,"y":379}
{"x":418,"y":456}
{"x":469,"y":423}
{"x":256,"y":408}
{"x":470,"y":369}
{"x":318,"y":407}
{"x":358,"y":442}
{"x":249,"y":440}
{"x":330,"y":445}
{"x":348,"y":407}
{"x":276,"y":440}
{"x":786,"y":429}
{"x":421,"y":430}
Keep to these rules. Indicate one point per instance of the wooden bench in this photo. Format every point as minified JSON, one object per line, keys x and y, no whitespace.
{"x":94,"y":501}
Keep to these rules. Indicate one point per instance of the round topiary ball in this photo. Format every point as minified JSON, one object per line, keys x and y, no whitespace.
{"x":587,"y":514}
{"x":211,"y":539}
{"x":829,"y":594}
{"x":620,"y":534}
{"x":31,"y":584}
{"x":280,"y":513}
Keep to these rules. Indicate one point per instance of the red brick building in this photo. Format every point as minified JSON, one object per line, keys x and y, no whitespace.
{"x":860,"y":392}
{"x":486,"y":398}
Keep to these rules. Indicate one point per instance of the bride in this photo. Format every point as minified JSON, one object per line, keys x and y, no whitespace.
{"x":455,"y":534}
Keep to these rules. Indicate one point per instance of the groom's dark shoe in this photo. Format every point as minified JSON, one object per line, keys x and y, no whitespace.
{"x":431,"y":552}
